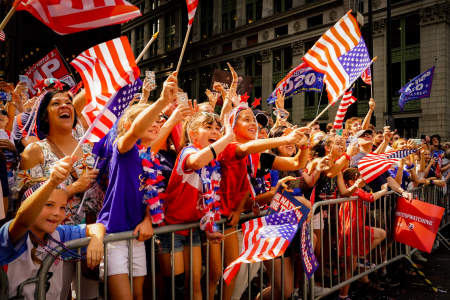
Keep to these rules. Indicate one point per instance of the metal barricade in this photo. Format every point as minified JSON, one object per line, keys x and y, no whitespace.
{"x":337,"y":267}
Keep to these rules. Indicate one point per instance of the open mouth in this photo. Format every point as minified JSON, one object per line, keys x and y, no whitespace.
{"x":212,"y":140}
{"x":64,"y":115}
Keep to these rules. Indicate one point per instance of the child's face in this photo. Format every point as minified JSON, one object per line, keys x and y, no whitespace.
{"x":286,"y":150}
{"x":152,"y":132}
{"x":3,"y":121}
{"x":246,"y":126}
{"x":205,"y":135}
{"x":338,"y":146}
{"x":52,"y":214}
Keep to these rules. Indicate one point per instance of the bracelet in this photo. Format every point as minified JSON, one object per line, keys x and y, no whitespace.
{"x":213,"y":151}
{"x":409,"y":168}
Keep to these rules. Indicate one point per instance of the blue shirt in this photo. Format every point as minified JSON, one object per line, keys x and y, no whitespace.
{"x":123,"y":208}
{"x":10,"y":252}
{"x":405,"y":177}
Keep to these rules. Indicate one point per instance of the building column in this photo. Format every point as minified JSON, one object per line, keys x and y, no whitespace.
{"x":133,"y":41}
{"x":147,"y":7}
{"x":379,"y":72}
{"x":434,"y":51}
{"x":267,"y":9}
{"x":179,"y":37}
{"x":195,"y":31}
{"x":147,"y":36}
{"x":161,"y":36}
{"x":240,"y":13}
{"x":266,"y":78}
{"x":298,"y":101}
{"x":217,"y":20}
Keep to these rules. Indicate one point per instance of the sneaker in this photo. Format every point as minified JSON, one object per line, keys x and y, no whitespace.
{"x":319,"y":291}
{"x":418,"y":257}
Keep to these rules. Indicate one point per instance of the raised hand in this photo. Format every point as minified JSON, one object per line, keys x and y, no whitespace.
{"x":61,"y":170}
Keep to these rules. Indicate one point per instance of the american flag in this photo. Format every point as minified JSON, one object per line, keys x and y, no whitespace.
{"x":367,"y":76}
{"x":347,"y":100}
{"x":70,"y":16}
{"x":2,"y":36}
{"x":373,"y":165}
{"x":105,"y":69}
{"x":192,"y":8}
{"x":264,"y":238}
{"x":341,"y":55}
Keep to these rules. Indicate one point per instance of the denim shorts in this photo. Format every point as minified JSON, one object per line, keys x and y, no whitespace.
{"x":180,"y":241}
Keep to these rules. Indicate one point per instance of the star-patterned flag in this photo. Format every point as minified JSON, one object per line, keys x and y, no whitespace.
{"x":341,"y":54}
{"x":419,"y":87}
{"x":367,"y":76}
{"x":264,"y":238}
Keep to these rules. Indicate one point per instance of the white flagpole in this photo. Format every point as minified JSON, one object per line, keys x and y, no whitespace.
{"x":155,"y":35}
{"x":186,"y":38}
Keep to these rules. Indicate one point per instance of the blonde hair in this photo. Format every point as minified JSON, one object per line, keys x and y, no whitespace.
{"x":395,"y":144}
{"x":128,"y":116}
{"x":350,"y":121}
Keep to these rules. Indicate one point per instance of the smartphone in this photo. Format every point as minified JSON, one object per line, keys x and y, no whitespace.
{"x":182,"y":98}
{"x":418,"y":142}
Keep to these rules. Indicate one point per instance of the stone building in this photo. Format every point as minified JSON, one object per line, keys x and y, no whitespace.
{"x":266,"y":38}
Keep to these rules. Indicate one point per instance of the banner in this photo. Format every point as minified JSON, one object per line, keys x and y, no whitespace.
{"x":50,"y":66}
{"x":287,"y":201}
{"x":300,"y":79}
{"x":419,"y":87}
{"x":416,"y":223}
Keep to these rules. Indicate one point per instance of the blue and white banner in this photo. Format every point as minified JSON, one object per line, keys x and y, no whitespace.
{"x":419,"y":87}
{"x":300,"y":79}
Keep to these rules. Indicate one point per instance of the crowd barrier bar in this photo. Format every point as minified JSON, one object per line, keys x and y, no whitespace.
{"x":338,"y":275}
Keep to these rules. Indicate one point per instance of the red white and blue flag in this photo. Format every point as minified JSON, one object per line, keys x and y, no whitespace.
{"x":341,"y":54}
{"x":191,"y":8}
{"x":105,"y":69}
{"x":264,"y":238}
{"x":373,"y":165}
{"x":70,"y":16}
{"x":347,"y":100}
{"x":366,"y":76}
{"x":2,"y":36}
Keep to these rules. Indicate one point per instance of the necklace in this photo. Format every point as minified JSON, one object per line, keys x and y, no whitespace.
{"x":65,"y":254}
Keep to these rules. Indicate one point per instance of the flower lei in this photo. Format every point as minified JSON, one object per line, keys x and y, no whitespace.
{"x":209,"y":201}
{"x":153,"y":195}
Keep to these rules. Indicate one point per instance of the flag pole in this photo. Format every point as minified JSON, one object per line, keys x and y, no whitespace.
{"x":321,"y":113}
{"x":186,"y":38}
{"x":155,"y":35}
{"x":8,"y":17}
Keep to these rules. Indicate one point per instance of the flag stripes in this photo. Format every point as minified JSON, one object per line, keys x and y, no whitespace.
{"x":373,"y":165}
{"x":70,"y":16}
{"x":191,"y":8}
{"x":347,"y":100}
{"x":367,"y":76}
{"x":2,"y":36}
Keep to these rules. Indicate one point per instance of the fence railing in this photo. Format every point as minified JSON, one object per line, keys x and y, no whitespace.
{"x":337,"y":267}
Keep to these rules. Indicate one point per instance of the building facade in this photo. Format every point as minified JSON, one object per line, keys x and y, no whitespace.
{"x":266,"y":38}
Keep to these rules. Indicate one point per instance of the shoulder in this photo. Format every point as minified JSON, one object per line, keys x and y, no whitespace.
{"x":8,"y":250}
{"x":32,"y":155}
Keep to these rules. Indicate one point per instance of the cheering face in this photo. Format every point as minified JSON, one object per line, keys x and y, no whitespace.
{"x":435,"y":141}
{"x":246,"y":127}
{"x":427,"y":155}
{"x":338,"y":147}
{"x":205,"y":135}
{"x":61,"y":112}
{"x":52,"y":214}
{"x":355,"y":127}
{"x":286,"y":150}
{"x":152,"y":132}
{"x":400,"y":144}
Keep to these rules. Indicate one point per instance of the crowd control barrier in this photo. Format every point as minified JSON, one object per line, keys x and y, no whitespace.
{"x":337,"y":266}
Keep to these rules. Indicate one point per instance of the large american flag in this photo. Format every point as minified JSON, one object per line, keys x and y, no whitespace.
{"x":347,"y":100}
{"x":105,"y":69}
{"x":264,"y":238}
{"x":70,"y":16}
{"x":341,"y":54}
{"x":373,"y":165}
{"x":191,"y":8}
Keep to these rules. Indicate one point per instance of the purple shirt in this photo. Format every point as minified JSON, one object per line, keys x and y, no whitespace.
{"x":123,"y":208}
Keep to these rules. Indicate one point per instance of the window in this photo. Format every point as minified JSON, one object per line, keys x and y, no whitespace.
{"x":253,"y":68}
{"x":254,"y":10}
{"x":280,"y":31}
{"x":139,"y":46}
{"x":228,"y":14}
{"x":252,"y":40}
{"x":281,"y":5}
{"x":405,"y":43}
{"x":206,"y":18}
{"x":315,"y":21}
{"x":170,"y":31}
{"x":407,"y":127}
{"x":282,"y":62}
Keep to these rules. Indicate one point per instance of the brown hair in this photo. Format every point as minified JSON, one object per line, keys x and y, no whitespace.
{"x":350,"y":121}
{"x":198,"y":120}
{"x":351,"y":174}
{"x":128,"y":116}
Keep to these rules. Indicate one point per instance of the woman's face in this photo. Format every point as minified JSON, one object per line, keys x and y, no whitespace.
{"x":338,"y":146}
{"x":61,"y":112}
{"x":427,"y":155}
{"x":52,"y":214}
{"x":286,"y":150}
{"x":246,"y":126}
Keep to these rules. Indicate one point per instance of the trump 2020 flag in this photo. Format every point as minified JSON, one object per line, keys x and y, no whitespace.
{"x":264,"y":238}
{"x":300,"y":79}
{"x":416,"y":223}
{"x":341,"y":54}
{"x":419,"y":87}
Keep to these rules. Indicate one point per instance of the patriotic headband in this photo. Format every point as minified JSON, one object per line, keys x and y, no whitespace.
{"x":35,"y":187}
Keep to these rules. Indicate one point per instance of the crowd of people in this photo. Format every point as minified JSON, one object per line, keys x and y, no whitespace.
{"x":167,"y":162}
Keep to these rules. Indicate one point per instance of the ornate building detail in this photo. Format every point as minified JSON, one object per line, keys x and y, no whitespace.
{"x":265,"y":35}
{"x":266,"y":56}
{"x":298,"y":48}
{"x":238,"y":43}
{"x":378,"y":27}
{"x":435,"y":14}
{"x":297,"y":26}
{"x":332,"y":16}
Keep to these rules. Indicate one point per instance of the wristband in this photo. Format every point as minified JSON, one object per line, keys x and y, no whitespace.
{"x":409,"y":168}
{"x":213,"y":151}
